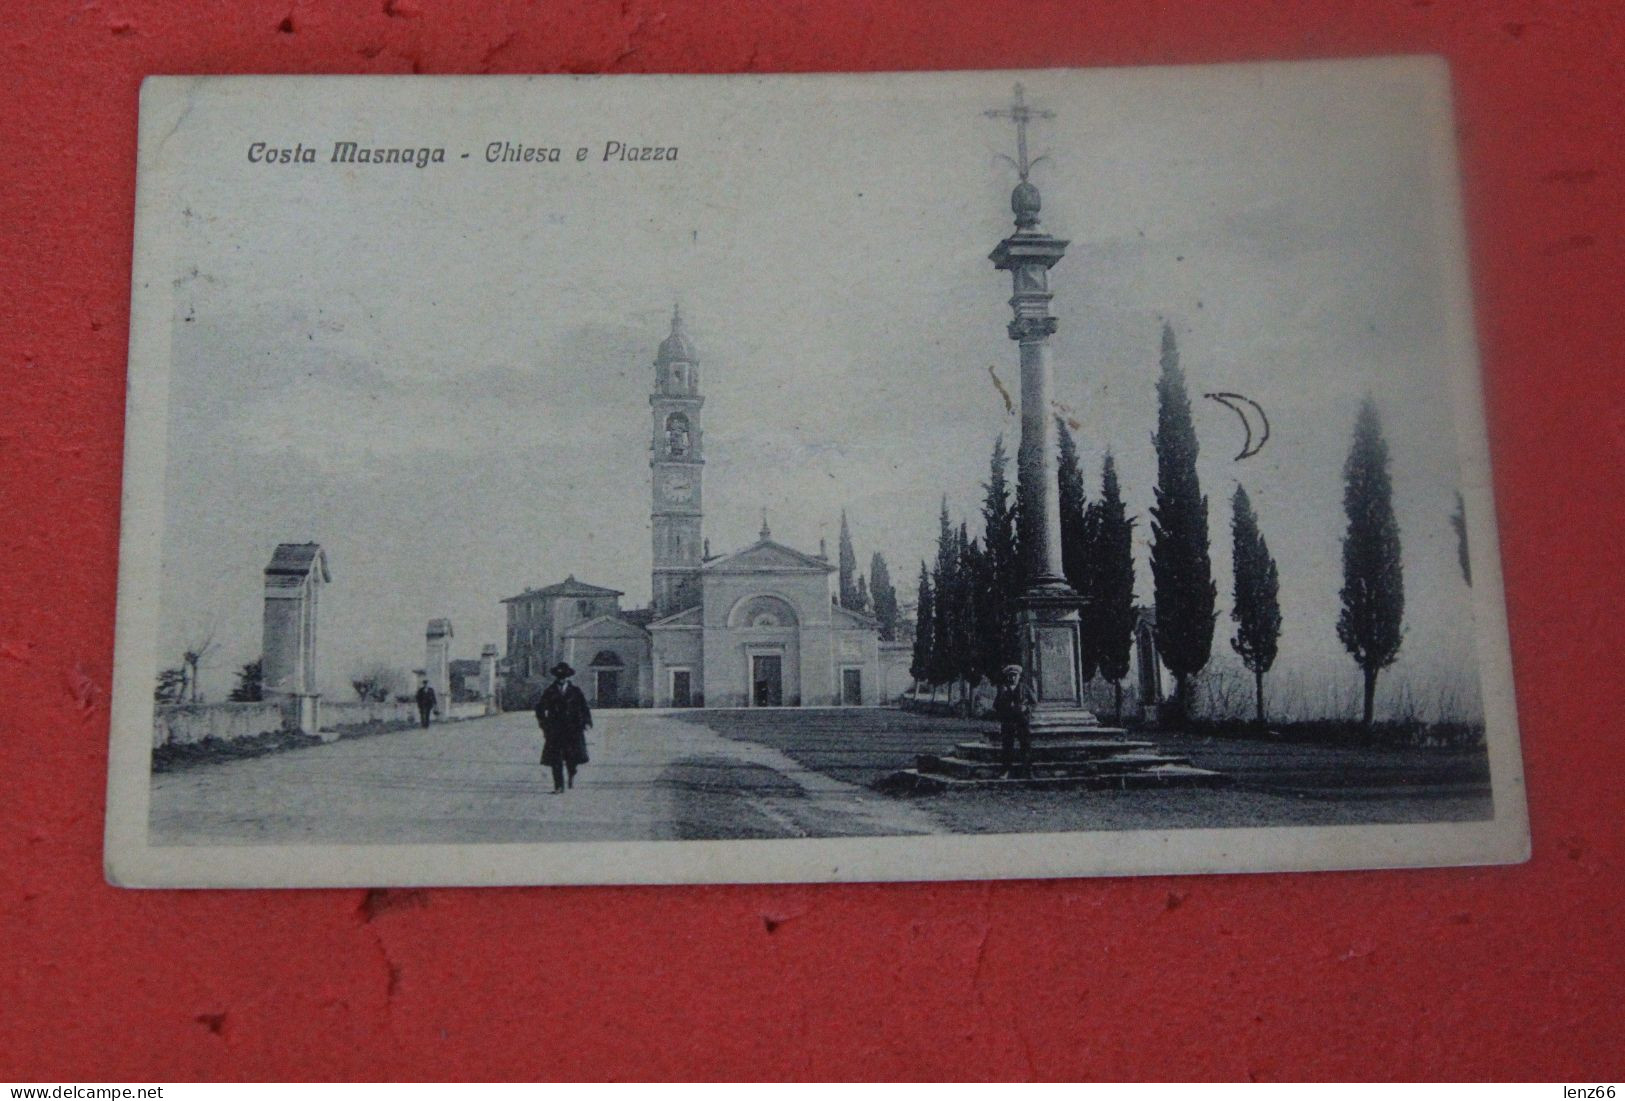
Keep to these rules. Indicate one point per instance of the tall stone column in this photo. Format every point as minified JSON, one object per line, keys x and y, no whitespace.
{"x":1051,"y":651}
{"x":293,"y":582}
{"x":437,"y":663}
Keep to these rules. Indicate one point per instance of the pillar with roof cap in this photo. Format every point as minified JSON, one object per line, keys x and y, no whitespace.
{"x":437,"y":663}
{"x":488,"y":678}
{"x":293,"y":582}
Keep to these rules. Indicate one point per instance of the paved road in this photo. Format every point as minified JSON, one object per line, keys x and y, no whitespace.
{"x":652,"y":777}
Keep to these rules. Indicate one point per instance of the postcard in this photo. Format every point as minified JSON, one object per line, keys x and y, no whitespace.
{"x":669,"y":479}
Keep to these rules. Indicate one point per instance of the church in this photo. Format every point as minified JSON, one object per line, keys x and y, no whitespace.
{"x":755,"y":628}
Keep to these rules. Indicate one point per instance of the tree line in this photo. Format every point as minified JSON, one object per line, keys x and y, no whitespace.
{"x":967,"y":617}
{"x":875,"y":596}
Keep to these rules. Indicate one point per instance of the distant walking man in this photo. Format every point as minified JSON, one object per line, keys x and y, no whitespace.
{"x":1013,"y":704}
{"x":426,"y":703}
{"x":564,"y":717}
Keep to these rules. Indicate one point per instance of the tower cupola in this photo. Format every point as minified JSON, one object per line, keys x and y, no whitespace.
{"x":676,"y":348}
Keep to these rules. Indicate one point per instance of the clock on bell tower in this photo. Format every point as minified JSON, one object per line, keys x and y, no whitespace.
{"x":676,"y":461}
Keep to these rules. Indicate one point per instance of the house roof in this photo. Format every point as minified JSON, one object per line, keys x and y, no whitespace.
{"x":851,"y":618}
{"x":568,"y":587}
{"x":766,"y":556}
{"x":298,"y":559}
{"x":603,"y":626}
{"x":688,"y":617}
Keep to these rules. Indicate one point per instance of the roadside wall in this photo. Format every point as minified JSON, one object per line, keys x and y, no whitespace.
{"x":189,"y":723}
{"x":356,"y":713}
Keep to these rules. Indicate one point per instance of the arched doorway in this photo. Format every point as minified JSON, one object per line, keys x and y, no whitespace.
{"x":770,"y":631}
{"x":605,"y":672}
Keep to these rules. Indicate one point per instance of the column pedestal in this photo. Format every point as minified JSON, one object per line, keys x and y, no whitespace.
{"x":302,"y":712}
{"x":1051,"y":642}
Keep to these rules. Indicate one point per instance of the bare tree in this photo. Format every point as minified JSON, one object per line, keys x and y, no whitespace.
{"x":377,"y":683}
{"x":200,"y":643}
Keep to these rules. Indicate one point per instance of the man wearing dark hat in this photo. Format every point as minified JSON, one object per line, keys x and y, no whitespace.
{"x":1014,"y":704}
{"x":564,"y":717}
{"x":426,"y":703}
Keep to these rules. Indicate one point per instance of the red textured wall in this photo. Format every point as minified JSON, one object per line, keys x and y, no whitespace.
{"x":1503,"y":972}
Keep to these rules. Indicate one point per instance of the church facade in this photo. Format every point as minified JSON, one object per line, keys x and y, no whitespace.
{"x":755,"y":628}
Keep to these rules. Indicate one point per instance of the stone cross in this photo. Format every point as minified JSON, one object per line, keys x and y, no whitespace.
{"x":1020,"y":114}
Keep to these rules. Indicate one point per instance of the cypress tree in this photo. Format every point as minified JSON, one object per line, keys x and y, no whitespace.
{"x":849,"y":566}
{"x":1111,"y":584}
{"x":945,"y":586}
{"x":1074,"y":508}
{"x":884,"y":595}
{"x":925,"y":627}
{"x":861,"y":600}
{"x":171,"y":687}
{"x":250,"y":686}
{"x":1078,"y":522}
{"x":972,"y":610}
{"x":1000,"y":640}
{"x":1371,"y":623}
{"x":1180,"y":569}
{"x":1257,"y":609}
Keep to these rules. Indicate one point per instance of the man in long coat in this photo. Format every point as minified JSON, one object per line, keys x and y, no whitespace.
{"x":426,"y":703}
{"x":564,"y":717}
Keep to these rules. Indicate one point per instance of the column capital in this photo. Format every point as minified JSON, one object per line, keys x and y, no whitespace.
{"x":1031,"y":329}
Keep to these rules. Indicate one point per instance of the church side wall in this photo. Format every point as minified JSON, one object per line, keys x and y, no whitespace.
{"x":630,"y":675}
{"x":856,"y":647}
{"x":679,"y":648}
{"x":895,"y":679}
{"x":818,"y":683}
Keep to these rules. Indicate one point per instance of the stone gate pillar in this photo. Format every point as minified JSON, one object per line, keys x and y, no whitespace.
{"x":488,"y":677}
{"x":293,"y":583}
{"x":437,"y":663}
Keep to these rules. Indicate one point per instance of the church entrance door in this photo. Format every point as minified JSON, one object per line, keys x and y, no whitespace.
{"x":682,"y":688}
{"x":852,"y":687}
{"x":767,"y":680}
{"x":609,"y":687}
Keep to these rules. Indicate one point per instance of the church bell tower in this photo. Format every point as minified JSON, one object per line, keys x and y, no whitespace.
{"x":677,"y":462}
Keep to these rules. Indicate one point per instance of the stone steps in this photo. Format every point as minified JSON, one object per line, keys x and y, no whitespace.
{"x":1079,"y":757}
{"x":1066,"y":722}
{"x":1070,"y":749}
{"x":1156,"y":776}
{"x":991,"y":770}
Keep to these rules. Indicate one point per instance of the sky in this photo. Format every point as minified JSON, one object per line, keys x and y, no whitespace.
{"x":442,"y":374}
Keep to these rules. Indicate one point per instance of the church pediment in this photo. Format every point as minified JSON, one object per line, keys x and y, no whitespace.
{"x":604,"y":626}
{"x":766,"y":556}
